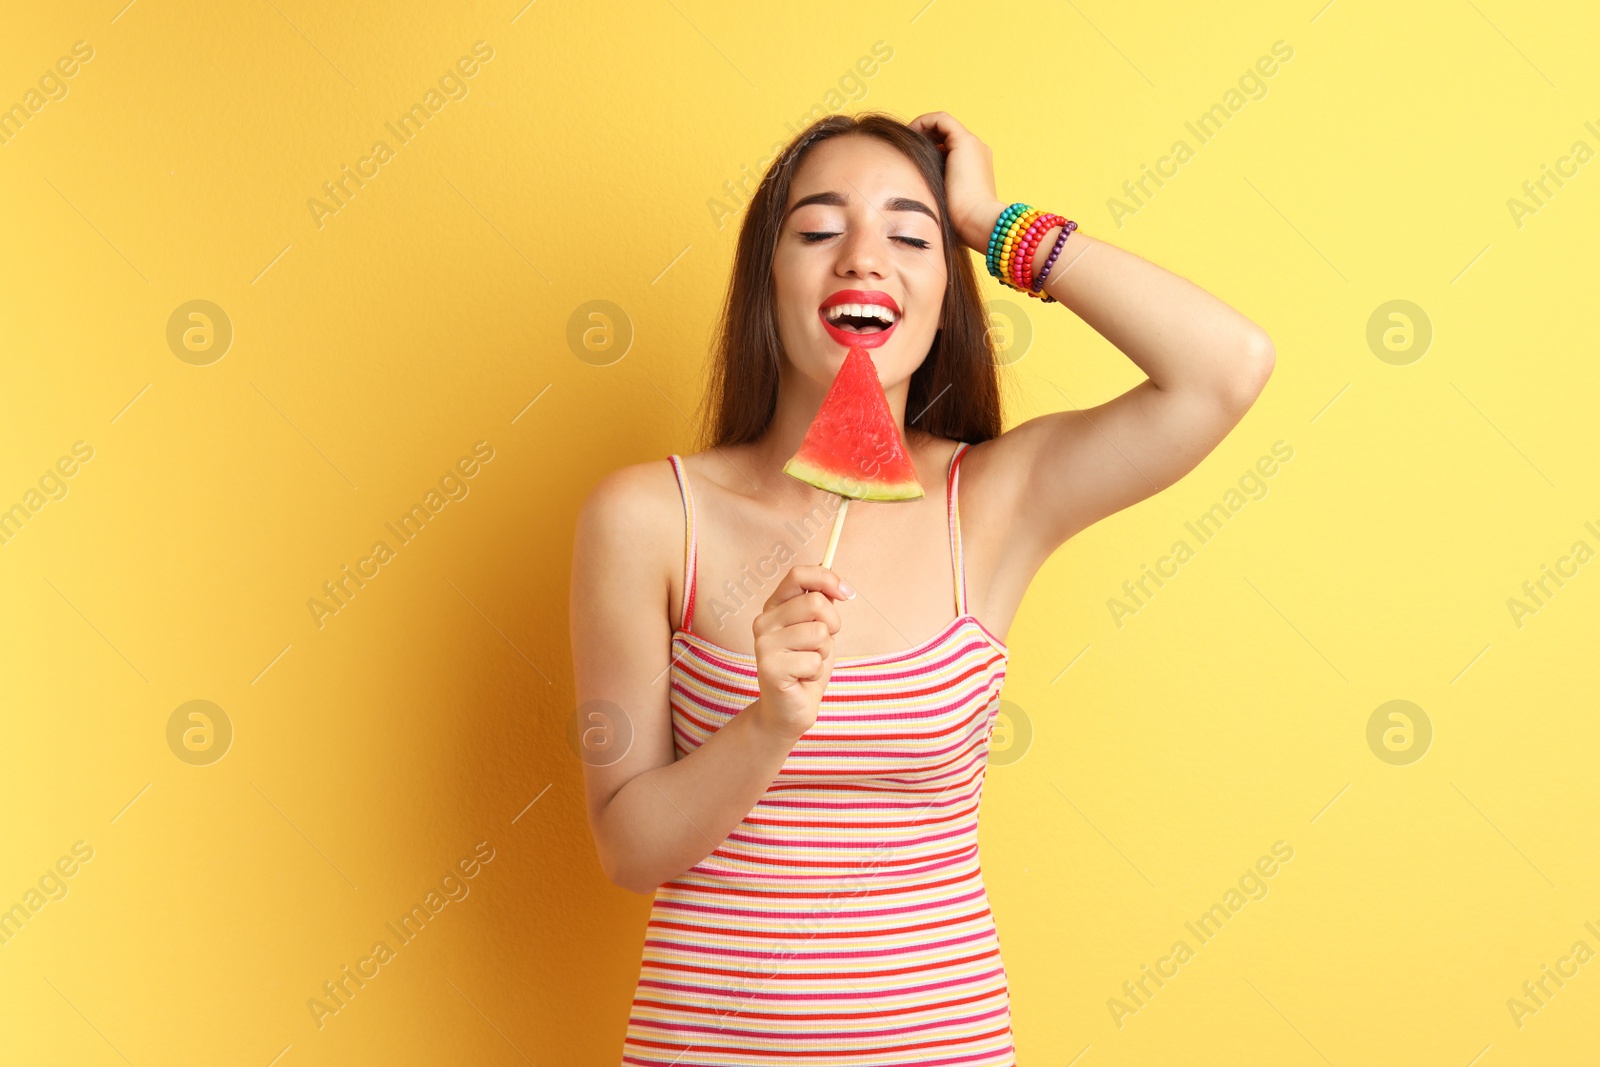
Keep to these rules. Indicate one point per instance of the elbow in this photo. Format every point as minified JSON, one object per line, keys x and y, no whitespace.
{"x":1255,"y":364}
{"x":620,"y":858}
{"x":1261,"y":354}
{"x":620,"y":876}
{"x":625,"y":875}
{"x":632,"y":883}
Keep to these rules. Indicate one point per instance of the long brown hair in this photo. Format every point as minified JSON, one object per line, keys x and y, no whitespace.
{"x":954,"y":393}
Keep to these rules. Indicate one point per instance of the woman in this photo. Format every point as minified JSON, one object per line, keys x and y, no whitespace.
{"x":801,"y":793}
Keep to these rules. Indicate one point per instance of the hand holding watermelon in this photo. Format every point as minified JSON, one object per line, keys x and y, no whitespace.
{"x":794,"y":647}
{"x":854,"y":448}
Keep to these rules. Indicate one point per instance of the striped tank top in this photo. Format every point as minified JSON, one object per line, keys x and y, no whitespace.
{"x":844,"y":921}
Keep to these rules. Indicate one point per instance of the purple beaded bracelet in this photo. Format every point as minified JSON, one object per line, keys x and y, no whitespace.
{"x":1061,"y":242}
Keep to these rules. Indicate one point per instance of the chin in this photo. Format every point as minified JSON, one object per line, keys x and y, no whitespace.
{"x":823,"y":356}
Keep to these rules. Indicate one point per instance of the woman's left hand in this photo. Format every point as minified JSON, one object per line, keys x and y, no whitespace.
{"x":968,"y":177}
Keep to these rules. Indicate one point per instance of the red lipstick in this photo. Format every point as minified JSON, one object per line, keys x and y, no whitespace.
{"x":859,"y":296}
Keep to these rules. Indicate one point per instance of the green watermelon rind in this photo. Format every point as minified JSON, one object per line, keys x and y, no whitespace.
{"x":845,"y":485}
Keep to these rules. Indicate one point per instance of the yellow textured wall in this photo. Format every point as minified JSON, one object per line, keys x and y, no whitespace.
{"x":218,"y":396}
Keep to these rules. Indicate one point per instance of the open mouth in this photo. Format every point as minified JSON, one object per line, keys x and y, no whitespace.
{"x":859,"y":325}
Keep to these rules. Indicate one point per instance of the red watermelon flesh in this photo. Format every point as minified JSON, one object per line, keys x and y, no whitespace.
{"x":853,"y":447}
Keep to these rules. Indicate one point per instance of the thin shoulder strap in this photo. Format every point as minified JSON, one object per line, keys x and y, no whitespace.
{"x":690,"y":560}
{"x":958,"y":563}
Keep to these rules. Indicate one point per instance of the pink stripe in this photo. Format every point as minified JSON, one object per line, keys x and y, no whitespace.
{"x":711,"y":929}
{"x":847,"y":1058}
{"x":968,"y":1001}
{"x":871,"y":913}
{"x":872,"y":795}
{"x":918,"y":821}
{"x":719,"y":951}
{"x":826,"y":877}
{"x":960,"y":733}
{"x":823,"y":977}
{"x":863,"y":816}
{"x":790,"y":995}
{"x":855,"y":1036}
{"x":779,"y":893}
{"x":856,"y":846}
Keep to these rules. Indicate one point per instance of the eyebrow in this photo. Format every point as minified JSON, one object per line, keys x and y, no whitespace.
{"x":894,"y":203}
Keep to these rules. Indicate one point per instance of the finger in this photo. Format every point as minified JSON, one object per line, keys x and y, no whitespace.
{"x":807,"y":606}
{"x":804,"y":608}
{"x":806,"y":635}
{"x":943,"y":124}
{"x":804,"y":578}
{"x":932,"y":125}
{"x":793,"y":612}
{"x":826,"y":613}
{"x":810,"y":666}
{"x":803,"y":666}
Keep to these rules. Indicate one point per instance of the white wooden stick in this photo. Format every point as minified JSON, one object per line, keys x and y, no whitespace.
{"x":833,"y":538}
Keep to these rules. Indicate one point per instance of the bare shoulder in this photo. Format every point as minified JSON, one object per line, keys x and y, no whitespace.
{"x":631,"y":519}
{"x":637,"y":495}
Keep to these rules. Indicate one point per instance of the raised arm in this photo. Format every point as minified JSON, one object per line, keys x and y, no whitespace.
{"x":1204,"y":362}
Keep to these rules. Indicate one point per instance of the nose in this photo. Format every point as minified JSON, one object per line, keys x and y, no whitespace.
{"x":862,"y":252}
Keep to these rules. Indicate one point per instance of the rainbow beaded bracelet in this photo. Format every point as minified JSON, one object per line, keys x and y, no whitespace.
{"x":1014,"y":241}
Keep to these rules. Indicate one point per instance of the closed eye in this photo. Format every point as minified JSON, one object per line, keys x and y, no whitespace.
{"x":813,"y":236}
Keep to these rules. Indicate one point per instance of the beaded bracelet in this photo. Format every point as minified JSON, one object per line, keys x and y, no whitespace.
{"x":1014,"y":241}
{"x":1027,"y":245}
{"x":1055,"y":253}
{"x":997,"y":238}
{"x":1022,"y":252}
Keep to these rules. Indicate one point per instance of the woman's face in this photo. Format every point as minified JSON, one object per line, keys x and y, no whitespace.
{"x":871,"y":231}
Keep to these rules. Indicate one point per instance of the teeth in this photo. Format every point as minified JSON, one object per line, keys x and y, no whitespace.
{"x":877,"y":311}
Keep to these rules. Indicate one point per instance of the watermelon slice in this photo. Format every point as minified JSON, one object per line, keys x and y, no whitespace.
{"x":853,"y":447}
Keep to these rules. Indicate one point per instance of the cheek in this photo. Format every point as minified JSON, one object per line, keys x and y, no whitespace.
{"x":931,"y":291}
{"x":786,"y":285}
{"x":926,"y":273}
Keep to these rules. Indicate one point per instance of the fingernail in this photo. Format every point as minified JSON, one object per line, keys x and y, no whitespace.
{"x":845,"y":588}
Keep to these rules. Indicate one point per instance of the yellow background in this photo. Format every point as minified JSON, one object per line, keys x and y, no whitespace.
{"x":432,"y":311}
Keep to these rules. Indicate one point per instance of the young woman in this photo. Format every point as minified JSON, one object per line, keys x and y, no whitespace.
{"x":790,"y":757}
